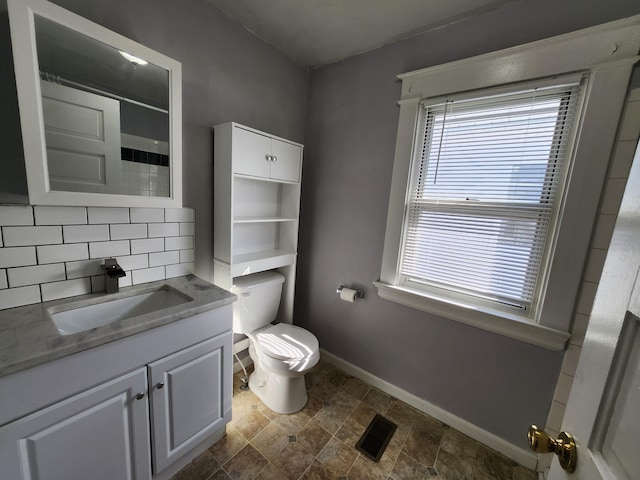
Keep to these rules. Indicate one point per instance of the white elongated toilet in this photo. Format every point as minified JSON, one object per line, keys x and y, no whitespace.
{"x":281,"y":353}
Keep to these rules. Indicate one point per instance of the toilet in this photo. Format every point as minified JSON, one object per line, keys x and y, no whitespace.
{"x":282,"y":354}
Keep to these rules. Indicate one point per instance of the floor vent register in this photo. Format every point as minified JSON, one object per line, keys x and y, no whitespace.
{"x":376,"y":437}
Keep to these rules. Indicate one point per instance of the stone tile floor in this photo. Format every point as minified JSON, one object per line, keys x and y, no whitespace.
{"x":318,"y":442}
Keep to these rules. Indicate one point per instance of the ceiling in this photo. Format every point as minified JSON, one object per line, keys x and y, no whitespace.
{"x":317,"y":32}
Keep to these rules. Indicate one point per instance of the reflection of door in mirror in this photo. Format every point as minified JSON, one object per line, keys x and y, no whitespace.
{"x":82,"y":131}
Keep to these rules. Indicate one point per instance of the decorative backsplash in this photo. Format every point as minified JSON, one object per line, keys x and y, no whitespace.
{"x":48,"y":253}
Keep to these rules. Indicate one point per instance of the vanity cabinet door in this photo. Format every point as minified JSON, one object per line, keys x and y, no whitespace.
{"x":101,"y":434}
{"x":190,"y":397}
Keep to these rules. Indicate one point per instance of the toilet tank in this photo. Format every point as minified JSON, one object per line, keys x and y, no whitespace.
{"x":258,"y":300}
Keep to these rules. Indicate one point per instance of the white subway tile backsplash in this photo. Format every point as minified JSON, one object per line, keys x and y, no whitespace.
{"x":178,"y":270}
{"x":16,"y":297}
{"x":186,"y":256}
{"x":62,"y":253}
{"x":15,"y":215}
{"x":60,"y":215}
{"x":586,"y":297}
{"x":613,"y":196}
{"x":579,"y":329}
{"x":164,"y":258}
{"x":21,"y":276}
{"x":571,"y":357}
{"x":85,"y":233}
{"x":187,"y":228}
{"x":164,"y":230}
{"x":178,"y":215}
{"x":109,"y":249}
{"x":147,"y":275}
{"x":604,"y":231}
{"x":67,"y":288}
{"x":17,"y":256}
{"x":128,"y":231}
{"x":178,"y":243}
{"x":563,"y":388}
{"x":622,"y":159}
{"x":108,"y":215}
{"x":630,"y":126}
{"x":147,"y":215}
{"x":595,"y":264}
{"x":134,"y":262}
{"x":147,"y":245}
{"x":125,"y":281}
{"x":84,"y":268}
{"x":23,"y":236}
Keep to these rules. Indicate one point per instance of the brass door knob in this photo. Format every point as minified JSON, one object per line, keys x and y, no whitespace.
{"x":564,"y":447}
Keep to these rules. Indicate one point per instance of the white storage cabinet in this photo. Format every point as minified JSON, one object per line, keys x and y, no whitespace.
{"x":256,"y":207}
{"x":90,"y":422}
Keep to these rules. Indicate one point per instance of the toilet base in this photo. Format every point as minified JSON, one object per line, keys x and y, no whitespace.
{"x":280,"y":394}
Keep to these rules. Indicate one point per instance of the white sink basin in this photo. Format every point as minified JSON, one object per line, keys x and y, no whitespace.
{"x":85,"y":317}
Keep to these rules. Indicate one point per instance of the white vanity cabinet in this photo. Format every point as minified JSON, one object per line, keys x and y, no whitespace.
{"x":186,"y":399}
{"x":256,"y":207}
{"x":137,"y":408}
{"x":101,"y":434}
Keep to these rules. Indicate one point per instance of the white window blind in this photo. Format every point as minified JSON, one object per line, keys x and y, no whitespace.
{"x":482,"y":200}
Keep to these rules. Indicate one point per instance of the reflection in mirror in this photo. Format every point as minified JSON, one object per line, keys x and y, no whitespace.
{"x":106,"y":115}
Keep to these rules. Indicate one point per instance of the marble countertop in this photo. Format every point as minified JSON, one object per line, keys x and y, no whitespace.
{"x":28,"y":336}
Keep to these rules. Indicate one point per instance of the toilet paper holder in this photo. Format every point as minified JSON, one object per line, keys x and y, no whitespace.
{"x":359,"y":293}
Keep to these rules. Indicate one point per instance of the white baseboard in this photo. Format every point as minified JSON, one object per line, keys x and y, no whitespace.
{"x":521,"y":456}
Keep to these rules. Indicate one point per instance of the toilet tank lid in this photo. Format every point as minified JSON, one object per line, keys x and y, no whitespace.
{"x":256,"y":280}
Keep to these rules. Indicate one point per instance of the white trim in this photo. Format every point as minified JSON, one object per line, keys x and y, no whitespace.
{"x":523,"y":457}
{"x":606,"y":54}
{"x":586,"y":49}
{"x":21,"y":18}
{"x":497,"y":322}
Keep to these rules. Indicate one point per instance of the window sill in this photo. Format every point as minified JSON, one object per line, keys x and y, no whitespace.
{"x":496,"y":322}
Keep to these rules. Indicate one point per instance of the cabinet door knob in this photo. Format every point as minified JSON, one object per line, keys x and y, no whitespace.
{"x":275,"y":159}
{"x":160,"y":385}
{"x":268,"y":158}
{"x":140,"y":396}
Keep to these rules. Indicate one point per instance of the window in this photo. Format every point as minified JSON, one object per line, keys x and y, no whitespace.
{"x":498,"y":172}
{"x":487,"y":176}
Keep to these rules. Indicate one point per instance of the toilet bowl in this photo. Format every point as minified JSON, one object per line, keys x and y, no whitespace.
{"x":282,"y":354}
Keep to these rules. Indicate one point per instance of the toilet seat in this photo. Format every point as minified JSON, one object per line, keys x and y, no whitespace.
{"x":287,"y":342}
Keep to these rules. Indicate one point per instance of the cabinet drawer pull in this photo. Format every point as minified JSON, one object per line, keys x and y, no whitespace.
{"x":140,"y":396}
{"x":160,"y":385}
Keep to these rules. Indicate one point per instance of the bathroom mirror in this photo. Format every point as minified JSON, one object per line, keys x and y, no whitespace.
{"x":101,"y":115}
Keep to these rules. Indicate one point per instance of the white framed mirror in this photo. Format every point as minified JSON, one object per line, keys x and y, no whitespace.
{"x":101,"y":115}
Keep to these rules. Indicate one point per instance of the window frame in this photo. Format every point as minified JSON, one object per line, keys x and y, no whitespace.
{"x":588,"y":52}
{"x":488,"y":209}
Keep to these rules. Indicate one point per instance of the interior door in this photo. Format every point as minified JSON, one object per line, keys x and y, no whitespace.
{"x":603,"y":412}
{"x":82,"y":131}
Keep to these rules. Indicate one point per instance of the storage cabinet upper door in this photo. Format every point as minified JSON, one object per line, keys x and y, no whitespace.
{"x":101,"y":434}
{"x":251,"y":153}
{"x":190,"y":397}
{"x":286,"y":161}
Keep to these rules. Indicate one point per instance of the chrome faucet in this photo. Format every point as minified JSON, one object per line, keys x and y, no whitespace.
{"x":112,"y":272}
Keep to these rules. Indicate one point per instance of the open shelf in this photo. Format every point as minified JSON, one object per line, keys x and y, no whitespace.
{"x":254,"y":219}
{"x":260,"y":261}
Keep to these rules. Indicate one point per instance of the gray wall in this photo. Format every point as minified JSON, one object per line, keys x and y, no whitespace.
{"x":228,"y":75}
{"x":497,"y":383}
